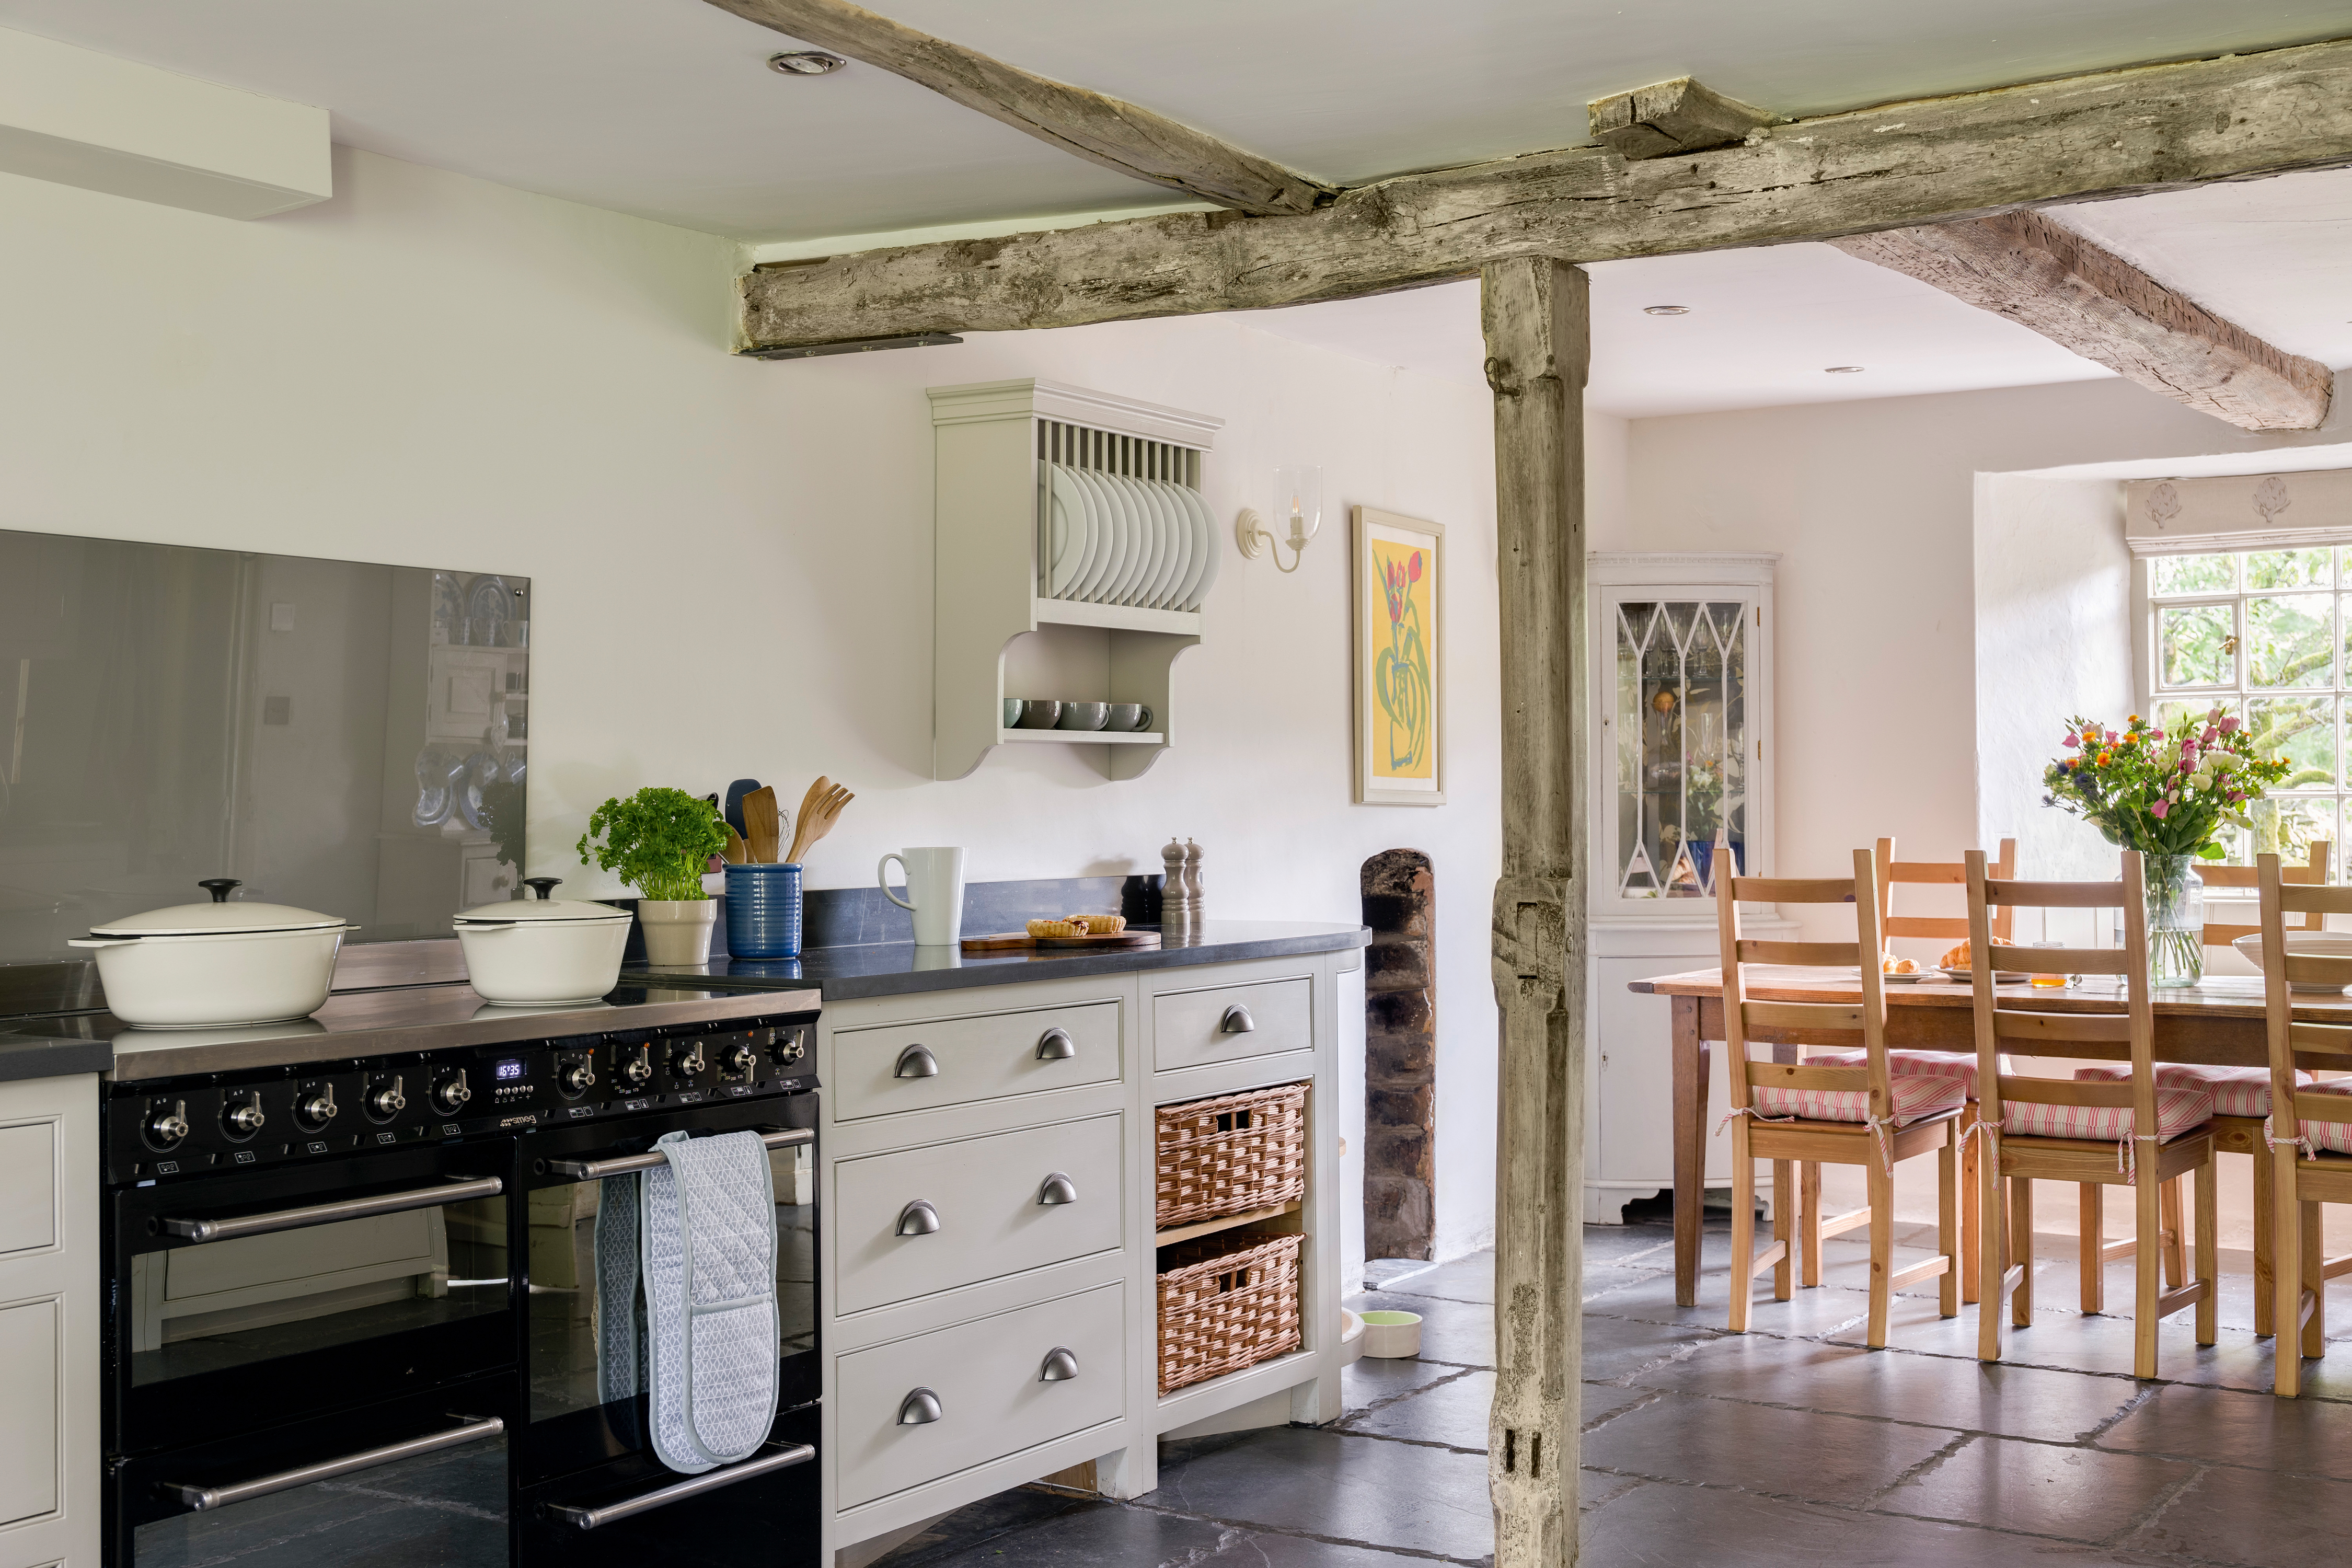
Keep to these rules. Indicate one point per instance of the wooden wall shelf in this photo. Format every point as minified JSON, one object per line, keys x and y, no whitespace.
{"x":992,"y":441}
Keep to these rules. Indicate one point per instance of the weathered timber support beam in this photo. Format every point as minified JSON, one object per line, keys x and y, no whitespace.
{"x":1538,"y":348}
{"x":1677,"y":116}
{"x":2124,"y":132}
{"x":1103,"y":129}
{"x":2035,"y":270}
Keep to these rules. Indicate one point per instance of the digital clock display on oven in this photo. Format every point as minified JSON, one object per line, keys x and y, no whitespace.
{"x":508,"y":1071}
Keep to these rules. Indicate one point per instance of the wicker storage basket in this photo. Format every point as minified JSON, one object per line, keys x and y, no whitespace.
{"x":1234,"y":1154}
{"x":1226,"y":1301}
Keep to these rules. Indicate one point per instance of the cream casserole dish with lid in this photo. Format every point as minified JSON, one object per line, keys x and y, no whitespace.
{"x":544,"y":950}
{"x":199,"y":966}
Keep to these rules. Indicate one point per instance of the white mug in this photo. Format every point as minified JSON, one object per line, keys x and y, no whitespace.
{"x":934,"y":892}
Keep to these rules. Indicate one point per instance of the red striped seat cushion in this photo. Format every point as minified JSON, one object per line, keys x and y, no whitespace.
{"x":1961,"y":1065}
{"x":2335,"y":1136}
{"x":2178,"y":1111}
{"x":2236,"y":1092}
{"x":1910,"y":1099}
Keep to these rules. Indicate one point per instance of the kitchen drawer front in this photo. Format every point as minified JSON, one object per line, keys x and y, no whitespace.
{"x":985,"y":1057}
{"x":32,"y":1408}
{"x":1188,"y":1028}
{"x":985,"y":1193}
{"x":28,"y":1174}
{"x":992,"y":1398}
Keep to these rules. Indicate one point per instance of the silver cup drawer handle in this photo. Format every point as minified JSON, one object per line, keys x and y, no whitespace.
{"x":919,"y":1218}
{"x":920,"y":1408}
{"x":916,"y":1061}
{"x":1237,"y":1021}
{"x":1058,"y":1189}
{"x":1060,"y":1365}
{"x":1056,"y":1045}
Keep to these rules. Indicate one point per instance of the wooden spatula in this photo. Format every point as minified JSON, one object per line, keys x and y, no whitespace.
{"x":817,"y":818}
{"x":736,"y":853}
{"x":760,"y":828}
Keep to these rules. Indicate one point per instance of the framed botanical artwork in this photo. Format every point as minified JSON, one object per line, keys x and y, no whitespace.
{"x":1400,"y":692}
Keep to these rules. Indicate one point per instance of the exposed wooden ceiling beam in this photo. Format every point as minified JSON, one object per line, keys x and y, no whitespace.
{"x":2114,"y":134}
{"x":1677,"y":116}
{"x":2033,"y":269}
{"x":1116,"y":135}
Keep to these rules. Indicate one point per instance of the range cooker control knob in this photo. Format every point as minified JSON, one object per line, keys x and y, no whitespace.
{"x":241,"y":1118}
{"x":685,"y":1061}
{"x":315,"y":1109}
{"x":166,"y":1125}
{"x":785,"y":1047}
{"x":740,"y":1061}
{"x":577,"y":1076}
{"x":386,"y":1101}
{"x":637,"y":1072}
{"x":450,"y":1093}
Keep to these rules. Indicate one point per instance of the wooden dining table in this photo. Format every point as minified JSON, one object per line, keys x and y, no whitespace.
{"x":2218,"y":1022}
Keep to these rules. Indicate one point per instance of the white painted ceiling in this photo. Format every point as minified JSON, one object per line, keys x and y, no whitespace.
{"x":664,"y":108}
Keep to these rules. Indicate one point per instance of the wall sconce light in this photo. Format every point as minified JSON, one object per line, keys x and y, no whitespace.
{"x":1298,"y":497}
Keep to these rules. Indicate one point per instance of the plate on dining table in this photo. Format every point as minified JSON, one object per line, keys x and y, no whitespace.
{"x":1893,"y":977}
{"x":1999,"y":977}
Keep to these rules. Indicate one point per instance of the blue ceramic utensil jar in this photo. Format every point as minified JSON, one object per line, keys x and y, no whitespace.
{"x":763,"y":911}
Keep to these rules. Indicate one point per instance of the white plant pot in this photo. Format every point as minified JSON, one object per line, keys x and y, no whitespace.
{"x":678,"y":931}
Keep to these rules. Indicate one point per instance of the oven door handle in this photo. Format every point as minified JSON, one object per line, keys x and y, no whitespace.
{"x":591,"y":1170}
{"x":328,"y":1214}
{"x":767,"y":1463}
{"x":203,"y":1498}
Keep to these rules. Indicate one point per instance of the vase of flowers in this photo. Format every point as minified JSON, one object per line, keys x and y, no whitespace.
{"x":2169,"y":794}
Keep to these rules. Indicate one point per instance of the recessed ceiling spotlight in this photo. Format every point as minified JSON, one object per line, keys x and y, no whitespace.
{"x":1666,"y":310}
{"x":805,"y":62}
{"x":1842,"y":370}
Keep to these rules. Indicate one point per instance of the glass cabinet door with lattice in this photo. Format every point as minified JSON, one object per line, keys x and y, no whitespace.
{"x":1682,"y":678}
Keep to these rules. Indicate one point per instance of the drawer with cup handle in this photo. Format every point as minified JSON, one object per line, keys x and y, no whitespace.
{"x":955,"y":1061}
{"x":1194,"y":1028}
{"x":917,"y":1221}
{"x":920,"y":1408}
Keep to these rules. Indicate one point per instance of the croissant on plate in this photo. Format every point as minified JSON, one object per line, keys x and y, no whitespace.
{"x":1957,"y":958}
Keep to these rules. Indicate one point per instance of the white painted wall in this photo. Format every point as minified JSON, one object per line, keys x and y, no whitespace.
{"x":730,"y":559}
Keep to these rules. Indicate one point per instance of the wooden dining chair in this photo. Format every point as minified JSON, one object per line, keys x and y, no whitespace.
{"x":2311,"y":1162}
{"x":2090,"y":1133}
{"x":1789,"y":1113}
{"x":2242,"y":1102}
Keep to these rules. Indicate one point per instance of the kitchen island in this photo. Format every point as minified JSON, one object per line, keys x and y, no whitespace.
{"x":962,"y":1084}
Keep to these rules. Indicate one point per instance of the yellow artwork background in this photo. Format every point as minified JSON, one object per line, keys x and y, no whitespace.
{"x":1400,"y":659}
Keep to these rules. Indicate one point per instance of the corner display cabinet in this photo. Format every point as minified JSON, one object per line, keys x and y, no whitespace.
{"x":1681,"y":666}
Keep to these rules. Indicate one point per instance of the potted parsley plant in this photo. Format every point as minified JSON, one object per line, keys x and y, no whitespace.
{"x":659,"y":840}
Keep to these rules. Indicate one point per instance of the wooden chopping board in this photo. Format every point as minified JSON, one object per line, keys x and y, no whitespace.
{"x":1016,"y":941}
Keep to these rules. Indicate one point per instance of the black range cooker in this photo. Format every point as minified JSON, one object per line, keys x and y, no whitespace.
{"x":353,"y":1293}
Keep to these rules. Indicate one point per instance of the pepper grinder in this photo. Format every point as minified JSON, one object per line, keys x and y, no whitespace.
{"x":1175,"y":893}
{"x":1192,"y":906}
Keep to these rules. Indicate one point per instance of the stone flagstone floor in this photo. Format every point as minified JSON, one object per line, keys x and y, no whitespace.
{"x":1792,"y":1444}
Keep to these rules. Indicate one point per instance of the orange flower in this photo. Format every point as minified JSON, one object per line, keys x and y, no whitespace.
{"x":2105,"y":757}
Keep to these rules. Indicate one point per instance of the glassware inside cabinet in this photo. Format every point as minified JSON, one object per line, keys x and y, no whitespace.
{"x":1683,"y":744}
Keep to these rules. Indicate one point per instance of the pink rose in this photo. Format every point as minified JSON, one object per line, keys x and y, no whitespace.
{"x":2228,"y":724}
{"x":2160,"y":808}
{"x":2071,"y":742}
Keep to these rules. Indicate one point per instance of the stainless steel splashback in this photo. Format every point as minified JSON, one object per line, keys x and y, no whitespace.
{"x":339,"y":736}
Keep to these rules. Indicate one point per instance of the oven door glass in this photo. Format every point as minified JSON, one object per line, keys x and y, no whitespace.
{"x":246,"y":1304}
{"x":587,"y":1389}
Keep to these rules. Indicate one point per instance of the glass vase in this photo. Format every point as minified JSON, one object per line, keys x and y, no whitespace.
{"x":2176,"y":921}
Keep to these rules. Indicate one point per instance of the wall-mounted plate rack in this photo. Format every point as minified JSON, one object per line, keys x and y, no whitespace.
{"x":998,"y":444}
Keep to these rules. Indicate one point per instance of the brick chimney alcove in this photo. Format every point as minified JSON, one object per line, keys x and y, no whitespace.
{"x":1400,"y":1058}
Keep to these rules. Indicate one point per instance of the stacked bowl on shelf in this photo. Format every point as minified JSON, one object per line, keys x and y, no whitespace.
{"x":1110,"y":538}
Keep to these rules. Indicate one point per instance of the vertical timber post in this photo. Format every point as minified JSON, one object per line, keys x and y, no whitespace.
{"x":1537,"y":345}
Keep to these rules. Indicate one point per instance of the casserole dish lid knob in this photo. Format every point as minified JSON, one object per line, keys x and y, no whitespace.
{"x":218,"y":917}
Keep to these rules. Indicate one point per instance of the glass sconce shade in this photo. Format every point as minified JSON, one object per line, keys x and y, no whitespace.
{"x":1298,"y":502}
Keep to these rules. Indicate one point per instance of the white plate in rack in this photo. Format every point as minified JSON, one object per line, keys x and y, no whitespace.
{"x":1180,"y":527}
{"x":1112,"y":559}
{"x":1139,"y":536}
{"x":1146,"y":506}
{"x":1069,"y":539}
{"x":1204,"y":543}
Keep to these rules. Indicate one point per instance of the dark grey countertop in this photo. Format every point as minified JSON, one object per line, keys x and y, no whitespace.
{"x":896,"y":969}
{"x":23,"y":1056}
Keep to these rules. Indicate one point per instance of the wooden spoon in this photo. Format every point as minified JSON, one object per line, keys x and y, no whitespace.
{"x":736,"y":852}
{"x":760,"y":828}
{"x":817,"y":820}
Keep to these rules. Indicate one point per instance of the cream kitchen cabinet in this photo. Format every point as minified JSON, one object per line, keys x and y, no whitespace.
{"x":985,"y":1194}
{"x":49,"y":1311}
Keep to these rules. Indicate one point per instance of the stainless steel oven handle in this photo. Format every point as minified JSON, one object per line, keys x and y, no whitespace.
{"x":203,"y":1498}
{"x":589,"y":1170}
{"x":694,"y":1486}
{"x":328,"y":1214}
